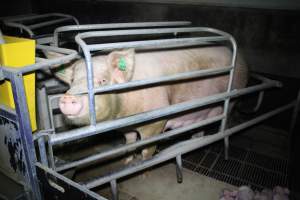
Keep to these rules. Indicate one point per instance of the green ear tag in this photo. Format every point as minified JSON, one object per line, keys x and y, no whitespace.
{"x":122,"y":64}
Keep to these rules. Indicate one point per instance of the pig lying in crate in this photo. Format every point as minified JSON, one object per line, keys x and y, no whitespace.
{"x":126,"y":65}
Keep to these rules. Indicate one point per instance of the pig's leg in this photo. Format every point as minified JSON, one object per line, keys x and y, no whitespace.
{"x":131,"y":137}
{"x":212,"y":113}
{"x":147,"y":132}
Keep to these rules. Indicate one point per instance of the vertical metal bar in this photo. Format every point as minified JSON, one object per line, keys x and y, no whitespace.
{"x":90,"y":81}
{"x":179,"y":169}
{"x":25,"y":134}
{"x":114,"y":190}
{"x":42,"y":151}
{"x":227,"y":101}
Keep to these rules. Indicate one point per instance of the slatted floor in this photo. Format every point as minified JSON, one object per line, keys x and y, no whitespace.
{"x":244,"y":167}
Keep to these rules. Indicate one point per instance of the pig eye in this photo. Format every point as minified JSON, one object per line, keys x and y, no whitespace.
{"x":102,"y":81}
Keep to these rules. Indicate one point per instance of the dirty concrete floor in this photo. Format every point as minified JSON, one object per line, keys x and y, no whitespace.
{"x":161,"y":183}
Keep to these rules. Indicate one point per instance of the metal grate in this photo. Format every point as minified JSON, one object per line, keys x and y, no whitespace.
{"x":244,"y":167}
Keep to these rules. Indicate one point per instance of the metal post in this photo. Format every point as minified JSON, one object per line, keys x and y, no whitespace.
{"x":227,"y":101}
{"x":114,"y":190}
{"x":25,"y":134}
{"x":179,"y":169}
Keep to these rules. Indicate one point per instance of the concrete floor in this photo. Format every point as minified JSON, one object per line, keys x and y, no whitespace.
{"x":161,"y":183}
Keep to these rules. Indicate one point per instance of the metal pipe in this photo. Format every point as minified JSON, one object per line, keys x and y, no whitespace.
{"x":227,"y":101}
{"x":151,"y":115}
{"x":90,"y":81}
{"x":133,"y":146}
{"x":86,"y":27}
{"x":47,"y":23}
{"x":158,"y":44}
{"x":161,"y":80}
{"x":151,"y":32}
{"x":20,"y":26}
{"x":71,"y":54}
{"x":182,"y":148}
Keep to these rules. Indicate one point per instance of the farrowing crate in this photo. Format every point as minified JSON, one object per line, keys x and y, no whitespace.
{"x":50,"y":177}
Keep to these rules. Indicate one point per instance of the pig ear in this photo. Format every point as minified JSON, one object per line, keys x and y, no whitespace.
{"x":63,"y":72}
{"x":121,"y":64}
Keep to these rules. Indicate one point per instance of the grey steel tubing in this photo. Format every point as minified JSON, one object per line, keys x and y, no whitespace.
{"x":227,"y":101}
{"x":151,"y":115}
{"x":151,"y":31}
{"x":71,"y":54}
{"x":31,"y":17}
{"x":183,"y":148}
{"x":21,"y":26}
{"x":133,"y":146}
{"x":113,"y":26}
{"x":47,"y":23}
{"x":90,"y":81}
{"x":42,"y":151}
{"x":164,"y":79}
{"x":160,"y":44}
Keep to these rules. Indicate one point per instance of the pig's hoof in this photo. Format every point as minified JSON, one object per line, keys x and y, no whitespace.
{"x":128,"y":160}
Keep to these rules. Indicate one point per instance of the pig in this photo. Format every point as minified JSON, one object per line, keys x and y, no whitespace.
{"x":146,"y":65}
{"x":246,"y":193}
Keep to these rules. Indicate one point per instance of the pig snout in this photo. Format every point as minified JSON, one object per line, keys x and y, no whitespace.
{"x":70,"y":105}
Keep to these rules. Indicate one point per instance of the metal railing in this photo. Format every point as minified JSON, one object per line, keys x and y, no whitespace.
{"x":19,"y":22}
{"x":89,"y":27}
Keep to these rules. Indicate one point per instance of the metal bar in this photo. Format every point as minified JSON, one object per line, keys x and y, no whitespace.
{"x":179,"y":169}
{"x":114,"y":190}
{"x":42,"y":151}
{"x":20,"y":26}
{"x":164,"y":79}
{"x":133,"y":146}
{"x":227,"y":101}
{"x":182,"y":148}
{"x":90,"y":81}
{"x":68,"y":181}
{"x":158,"y":44}
{"x":47,"y":23}
{"x":151,"y":32}
{"x":25,"y":134}
{"x":86,"y":27}
{"x":151,"y":115}
{"x":49,"y":63}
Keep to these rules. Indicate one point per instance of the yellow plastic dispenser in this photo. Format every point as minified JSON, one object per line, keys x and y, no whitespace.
{"x":19,"y":52}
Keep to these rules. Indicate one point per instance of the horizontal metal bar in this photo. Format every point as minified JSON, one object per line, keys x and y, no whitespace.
{"x":160,"y":80}
{"x":131,"y":147}
{"x":152,"y":32}
{"x":86,"y":27}
{"x":48,"y":63}
{"x":47,"y":23}
{"x":160,"y":44}
{"x":182,"y":148}
{"x":32,"y":17}
{"x":152,"y":115}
